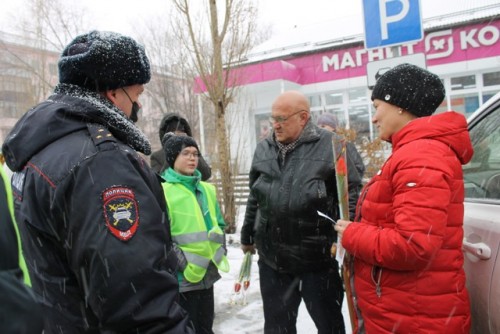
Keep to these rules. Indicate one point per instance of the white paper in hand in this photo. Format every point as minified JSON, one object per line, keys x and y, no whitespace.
{"x":339,"y":256}
{"x":325,"y":216}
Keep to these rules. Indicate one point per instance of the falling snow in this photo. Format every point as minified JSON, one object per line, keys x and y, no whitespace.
{"x":249,"y":318}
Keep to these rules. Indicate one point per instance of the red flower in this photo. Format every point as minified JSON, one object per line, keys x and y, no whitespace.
{"x":340,"y":167}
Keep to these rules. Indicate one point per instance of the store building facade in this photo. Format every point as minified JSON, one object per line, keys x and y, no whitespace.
{"x":464,"y":50}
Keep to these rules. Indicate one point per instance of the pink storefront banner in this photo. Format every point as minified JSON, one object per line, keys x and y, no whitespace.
{"x":440,"y":47}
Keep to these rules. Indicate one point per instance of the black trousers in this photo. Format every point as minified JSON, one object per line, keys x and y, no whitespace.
{"x":200,"y":306}
{"x":322,"y":293}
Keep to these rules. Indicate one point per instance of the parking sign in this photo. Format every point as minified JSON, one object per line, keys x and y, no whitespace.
{"x":391,"y":22}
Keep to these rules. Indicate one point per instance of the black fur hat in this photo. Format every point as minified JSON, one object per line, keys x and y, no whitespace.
{"x":172,"y":122}
{"x":412,"y":88}
{"x":174,"y":144}
{"x":102,"y":60}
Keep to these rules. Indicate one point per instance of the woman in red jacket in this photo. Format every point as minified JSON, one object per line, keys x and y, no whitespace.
{"x":407,"y":236}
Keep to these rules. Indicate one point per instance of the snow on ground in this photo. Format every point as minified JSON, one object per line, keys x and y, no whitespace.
{"x":249,"y":318}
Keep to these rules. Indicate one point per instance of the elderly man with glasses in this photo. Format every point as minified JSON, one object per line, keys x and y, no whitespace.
{"x":291,"y":178}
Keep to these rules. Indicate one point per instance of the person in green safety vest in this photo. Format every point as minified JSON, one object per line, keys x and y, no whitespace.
{"x":19,"y":312}
{"x":197,"y":229}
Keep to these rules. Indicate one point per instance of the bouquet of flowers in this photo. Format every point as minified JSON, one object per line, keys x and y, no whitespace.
{"x":242,"y":281}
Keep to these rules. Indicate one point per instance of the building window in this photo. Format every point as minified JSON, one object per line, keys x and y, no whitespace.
{"x":491,"y":79}
{"x":488,"y":95}
{"x":357,"y":95}
{"x":334,"y":98}
{"x":359,"y":121}
{"x":465,"y":82}
{"x":465,"y":104}
{"x":262,"y":126}
{"x":314,"y":100}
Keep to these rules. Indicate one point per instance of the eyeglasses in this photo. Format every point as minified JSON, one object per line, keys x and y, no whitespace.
{"x":187,"y":154}
{"x":282,"y":119}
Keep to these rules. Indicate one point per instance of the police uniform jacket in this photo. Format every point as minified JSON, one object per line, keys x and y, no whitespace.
{"x":92,"y":218}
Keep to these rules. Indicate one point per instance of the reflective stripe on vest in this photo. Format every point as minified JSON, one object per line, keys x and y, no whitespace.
{"x":189,"y":238}
{"x":199,"y":246}
{"x":197,"y":259}
{"x":219,"y":254}
{"x":215,"y":235}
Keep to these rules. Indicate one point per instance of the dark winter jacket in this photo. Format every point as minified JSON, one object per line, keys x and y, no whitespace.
{"x":172,"y":122}
{"x":281,"y":215}
{"x":356,"y":158}
{"x":407,"y":245}
{"x":92,"y":218}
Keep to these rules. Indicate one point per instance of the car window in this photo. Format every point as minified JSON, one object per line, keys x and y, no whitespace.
{"x":482,"y":174}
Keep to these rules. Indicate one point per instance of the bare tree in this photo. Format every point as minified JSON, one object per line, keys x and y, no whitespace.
{"x":29,"y":55}
{"x":44,"y":29}
{"x":170,"y":89}
{"x":230,"y":31}
{"x":53,"y":22}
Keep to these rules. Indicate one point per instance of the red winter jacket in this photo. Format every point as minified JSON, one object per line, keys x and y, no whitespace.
{"x":407,"y":246}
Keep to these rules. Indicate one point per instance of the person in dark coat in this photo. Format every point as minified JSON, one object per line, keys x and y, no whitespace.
{"x":329,"y":122}
{"x":292,"y":177}
{"x":175,"y":123}
{"x":19,"y":311}
{"x":90,"y":210}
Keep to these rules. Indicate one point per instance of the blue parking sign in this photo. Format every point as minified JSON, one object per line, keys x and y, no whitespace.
{"x":390,"y":22}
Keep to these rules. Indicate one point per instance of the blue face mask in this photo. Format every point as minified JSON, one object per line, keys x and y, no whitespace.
{"x":135,"y":108}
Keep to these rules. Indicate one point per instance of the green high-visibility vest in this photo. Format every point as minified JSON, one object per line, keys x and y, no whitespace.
{"x":10,"y":204}
{"x":190,"y":233}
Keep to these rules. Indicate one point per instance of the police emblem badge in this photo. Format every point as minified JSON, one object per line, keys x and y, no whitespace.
{"x":120,"y":212}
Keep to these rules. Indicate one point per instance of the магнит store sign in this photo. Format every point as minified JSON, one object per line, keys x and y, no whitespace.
{"x":440,"y":47}
{"x":447,"y":46}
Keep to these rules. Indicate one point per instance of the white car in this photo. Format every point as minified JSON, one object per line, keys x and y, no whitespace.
{"x":482,"y":218}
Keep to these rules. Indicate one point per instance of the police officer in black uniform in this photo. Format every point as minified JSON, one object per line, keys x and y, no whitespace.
{"x":91,"y":212}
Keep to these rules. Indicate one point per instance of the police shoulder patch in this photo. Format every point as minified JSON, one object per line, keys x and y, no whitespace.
{"x":121,"y":212}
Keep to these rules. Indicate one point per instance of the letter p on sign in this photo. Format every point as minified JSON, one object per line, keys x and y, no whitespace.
{"x":391,"y":22}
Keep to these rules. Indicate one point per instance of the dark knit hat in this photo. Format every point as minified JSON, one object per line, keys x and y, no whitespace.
{"x":172,"y":122}
{"x":412,"y":88}
{"x":328,"y":119}
{"x":104,"y":60}
{"x":174,"y":144}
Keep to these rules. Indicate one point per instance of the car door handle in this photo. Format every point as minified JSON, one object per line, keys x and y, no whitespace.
{"x":480,"y":249}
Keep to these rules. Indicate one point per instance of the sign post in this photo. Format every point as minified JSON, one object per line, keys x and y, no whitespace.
{"x":375,"y":69}
{"x":391,"y":22}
